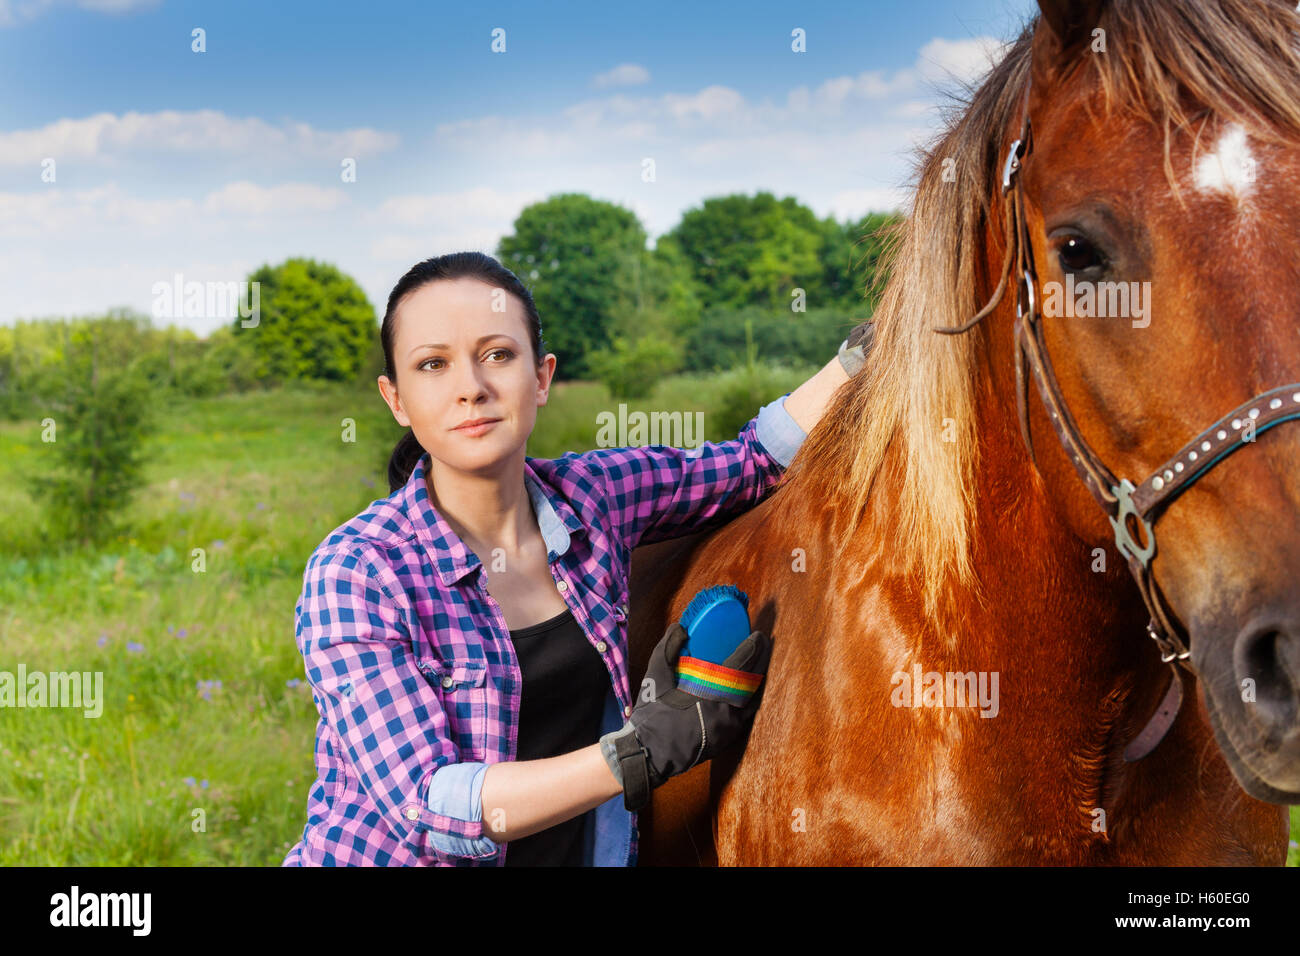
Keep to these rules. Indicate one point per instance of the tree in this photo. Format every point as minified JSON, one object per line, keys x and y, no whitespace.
{"x":314,"y":323}
{"x":852,"y":259}
{"x":581,"y":258}
{"x":632,"y":368}
{"x":101,"y":415}
{"x":752,"y":250}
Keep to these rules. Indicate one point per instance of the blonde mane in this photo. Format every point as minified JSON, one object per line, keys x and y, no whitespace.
{"x":1238,"y":59}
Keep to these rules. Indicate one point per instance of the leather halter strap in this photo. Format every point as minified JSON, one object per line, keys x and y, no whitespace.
{"x":1122,"y":502}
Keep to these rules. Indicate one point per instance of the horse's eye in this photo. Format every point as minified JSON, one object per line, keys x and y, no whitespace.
{"x":1079,"y":255}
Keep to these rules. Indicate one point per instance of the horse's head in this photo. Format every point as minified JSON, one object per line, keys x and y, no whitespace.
{"x":1161,"y":198}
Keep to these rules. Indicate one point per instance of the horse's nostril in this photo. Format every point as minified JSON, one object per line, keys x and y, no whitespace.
{"x":1267,"y":657}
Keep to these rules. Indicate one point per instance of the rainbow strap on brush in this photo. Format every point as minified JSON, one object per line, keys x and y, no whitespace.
{"x":715,"y":682}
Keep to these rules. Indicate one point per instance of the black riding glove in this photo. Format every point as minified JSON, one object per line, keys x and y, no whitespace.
{"x":671,"y":730}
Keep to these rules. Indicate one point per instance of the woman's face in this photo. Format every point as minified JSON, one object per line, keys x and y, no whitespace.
{"x":458,"y":359}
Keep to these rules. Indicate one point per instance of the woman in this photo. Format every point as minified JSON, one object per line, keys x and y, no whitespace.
{"x":441,"y":742}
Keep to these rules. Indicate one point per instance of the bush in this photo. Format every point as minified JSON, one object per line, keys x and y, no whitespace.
{"x":91,"y":469}
{"x":745,"y":389}
{"x":811,"y":337}
{"x":315,"y":322}
{"x":633,"y":369}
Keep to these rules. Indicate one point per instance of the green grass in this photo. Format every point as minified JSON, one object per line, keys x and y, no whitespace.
{"x":255,"y":481}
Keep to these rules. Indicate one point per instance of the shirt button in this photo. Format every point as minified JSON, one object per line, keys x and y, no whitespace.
{"x":562,"y":585}
{"x":412,"y":813}
{"x":601,"y":646}
{"x":623,"y":608}
{"x":627,"y":711}
{"x":446,"y":682}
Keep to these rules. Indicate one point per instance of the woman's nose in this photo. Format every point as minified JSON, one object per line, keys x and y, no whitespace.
{"x":471,"y":384}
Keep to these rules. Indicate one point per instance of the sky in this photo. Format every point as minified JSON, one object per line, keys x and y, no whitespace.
{"x":128,"y":157}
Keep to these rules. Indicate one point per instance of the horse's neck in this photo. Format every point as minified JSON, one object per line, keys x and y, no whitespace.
{"x":1052,"y":605}
{"x":1068,"y":638}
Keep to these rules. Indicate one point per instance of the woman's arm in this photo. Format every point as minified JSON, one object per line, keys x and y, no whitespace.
{"x":808,"y":402}
{"x":656,"y":492}
{"x":521,"y":797}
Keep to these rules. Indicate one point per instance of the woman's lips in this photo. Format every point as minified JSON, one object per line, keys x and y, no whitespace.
{"x":482,"y":426}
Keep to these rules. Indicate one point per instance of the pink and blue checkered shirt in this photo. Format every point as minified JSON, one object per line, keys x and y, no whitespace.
{"x":410,"y":660}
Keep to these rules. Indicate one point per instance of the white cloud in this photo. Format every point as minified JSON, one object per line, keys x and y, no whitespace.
{"x":15,"y":12}
{"x":966,"y":61}
{"x":406,"y":251}
{"x":478,"y":204}
{"x":58,"y":212}
{"x":939,"y":63}
{"x":711,"y":103}
{"x":840,"y":146}
{"x":287,"y":199}
{"x":106,"y":136}
{"x":117,"y":6}
{"x":852,"y":203}
{"x":625,"y":74}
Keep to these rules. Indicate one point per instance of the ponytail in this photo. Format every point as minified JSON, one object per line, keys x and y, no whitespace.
{"x":403,"y":461}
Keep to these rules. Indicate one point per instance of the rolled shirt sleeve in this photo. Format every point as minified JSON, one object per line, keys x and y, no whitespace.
{"x":658,"y":492}
{"x":456,"y":792}
{"x":778,"y":432}
{"x":369,"y":689}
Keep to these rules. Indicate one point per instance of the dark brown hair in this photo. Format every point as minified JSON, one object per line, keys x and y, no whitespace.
{"x":456,"y":265}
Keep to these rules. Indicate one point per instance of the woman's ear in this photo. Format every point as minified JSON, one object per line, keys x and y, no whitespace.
{"x":389,"y":392}
{"x":545,"y":372}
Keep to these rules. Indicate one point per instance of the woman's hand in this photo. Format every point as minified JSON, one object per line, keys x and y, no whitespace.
{"x":807,"y":403}
{"x":672,"y":730}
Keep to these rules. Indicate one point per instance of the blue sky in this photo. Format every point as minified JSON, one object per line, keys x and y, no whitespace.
{"x":209,"y":164}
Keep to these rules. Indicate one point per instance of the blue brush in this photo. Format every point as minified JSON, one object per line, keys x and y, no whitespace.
{"x":716,"y":621}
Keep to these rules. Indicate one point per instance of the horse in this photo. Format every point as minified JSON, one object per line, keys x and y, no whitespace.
{"x":959,"y":676}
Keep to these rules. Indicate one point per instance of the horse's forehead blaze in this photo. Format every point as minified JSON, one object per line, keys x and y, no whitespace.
{"x":1230,"y":168}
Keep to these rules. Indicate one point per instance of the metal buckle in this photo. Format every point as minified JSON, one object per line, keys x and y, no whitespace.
{"x":1170,"y":647}
{"x":1124,"y":540}
{"x":1011,"y":166}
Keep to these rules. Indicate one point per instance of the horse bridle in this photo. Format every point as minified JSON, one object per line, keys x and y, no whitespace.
{"x":1118,"y":497}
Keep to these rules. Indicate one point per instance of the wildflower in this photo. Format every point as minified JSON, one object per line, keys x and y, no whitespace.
{"x":133,"y":647}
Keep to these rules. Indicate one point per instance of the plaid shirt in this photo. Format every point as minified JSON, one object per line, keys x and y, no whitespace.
{"x":410,"y":660}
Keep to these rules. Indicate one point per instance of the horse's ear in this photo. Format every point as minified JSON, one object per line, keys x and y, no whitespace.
{"x":1065,"y":27}
{"x":1070,"y":22}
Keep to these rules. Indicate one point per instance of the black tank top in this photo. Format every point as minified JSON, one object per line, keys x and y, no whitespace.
{"x":564,"y":687}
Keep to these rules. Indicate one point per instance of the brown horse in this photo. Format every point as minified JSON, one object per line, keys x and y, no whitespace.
{"x":915,"y":534}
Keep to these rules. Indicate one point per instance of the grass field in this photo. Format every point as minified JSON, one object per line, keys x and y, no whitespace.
{"x":203,"y":754}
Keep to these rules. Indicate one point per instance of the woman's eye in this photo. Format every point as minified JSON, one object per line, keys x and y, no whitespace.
{"x":506,"y":353}
{"x":1079,"y":255}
